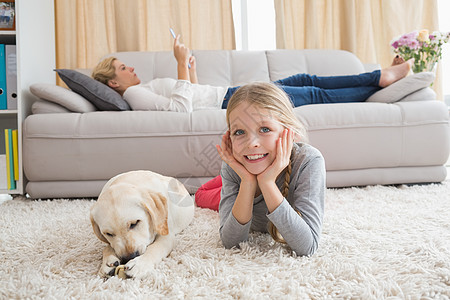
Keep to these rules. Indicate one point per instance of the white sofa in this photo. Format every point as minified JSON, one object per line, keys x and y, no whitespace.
{"x":71,"y":150}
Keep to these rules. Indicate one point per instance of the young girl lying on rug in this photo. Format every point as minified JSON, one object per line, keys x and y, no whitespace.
{"x":185,"y":95}
{"x":269,"y":182}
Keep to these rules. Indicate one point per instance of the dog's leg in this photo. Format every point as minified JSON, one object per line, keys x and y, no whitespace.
{"x":109,"y":263}
{"x":140,"y":266}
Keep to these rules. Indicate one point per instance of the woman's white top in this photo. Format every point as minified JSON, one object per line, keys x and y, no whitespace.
{"x":174,"y":95}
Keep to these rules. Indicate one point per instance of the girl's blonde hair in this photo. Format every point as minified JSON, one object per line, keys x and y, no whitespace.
{"x":270,"y":97}
{"x":105,"y":70}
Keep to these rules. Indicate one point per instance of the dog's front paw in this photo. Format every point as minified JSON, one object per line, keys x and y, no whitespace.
{"x":138,"y":268}
{"x":108,"y":266}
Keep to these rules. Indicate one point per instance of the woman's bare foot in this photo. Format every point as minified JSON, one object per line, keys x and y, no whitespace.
{"x":393,"y":73}
{"x":397,"y":60}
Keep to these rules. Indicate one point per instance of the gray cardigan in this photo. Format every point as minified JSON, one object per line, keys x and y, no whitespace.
{"x":306,"y":194}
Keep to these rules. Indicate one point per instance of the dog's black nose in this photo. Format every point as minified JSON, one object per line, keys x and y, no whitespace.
{"x":126,"y":259}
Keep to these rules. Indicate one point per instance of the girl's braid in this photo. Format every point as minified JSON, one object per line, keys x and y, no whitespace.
{"x":285,"y":191}
{"x":287,"y":180}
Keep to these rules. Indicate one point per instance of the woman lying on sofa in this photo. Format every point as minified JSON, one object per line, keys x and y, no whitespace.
{"x":186,"y":95}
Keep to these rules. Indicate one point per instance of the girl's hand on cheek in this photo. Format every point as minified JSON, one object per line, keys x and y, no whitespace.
{"x":281,"y":161}
{"x":226,"y":154}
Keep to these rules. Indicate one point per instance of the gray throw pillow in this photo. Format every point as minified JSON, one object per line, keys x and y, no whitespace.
{"x":403,"y":88}
{"x":102,"y":96}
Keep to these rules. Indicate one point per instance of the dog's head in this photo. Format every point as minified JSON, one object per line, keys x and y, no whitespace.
{"x":128,"y":218}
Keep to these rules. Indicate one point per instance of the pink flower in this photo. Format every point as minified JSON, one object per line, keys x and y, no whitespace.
{"x":403,"y":41}
{"x":413,"y":44}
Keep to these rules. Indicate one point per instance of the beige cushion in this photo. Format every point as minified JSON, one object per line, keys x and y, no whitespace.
{"x":46,"y":107}
{"x":421,"y":95}
{"x":62,"y":96}
{"x":403,"y":88}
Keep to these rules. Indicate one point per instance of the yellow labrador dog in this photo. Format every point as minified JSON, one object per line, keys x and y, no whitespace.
{"x":138,"y":215}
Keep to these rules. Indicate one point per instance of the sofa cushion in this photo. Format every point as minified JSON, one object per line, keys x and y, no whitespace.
{"x":62,"y":96}
{"x":214,"y":67}
{"x":99,"y":94}
{"x":403,"y":88}
{"x":284,"y":63}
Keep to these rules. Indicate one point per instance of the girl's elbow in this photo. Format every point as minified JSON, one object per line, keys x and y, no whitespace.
{"x":306,"y":250}
{"x":228,"y":243}
{"x":311,"y":251}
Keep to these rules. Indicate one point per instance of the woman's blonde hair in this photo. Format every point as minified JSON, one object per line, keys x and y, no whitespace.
{"x":270,"y":97}
{"x":105,"y":70}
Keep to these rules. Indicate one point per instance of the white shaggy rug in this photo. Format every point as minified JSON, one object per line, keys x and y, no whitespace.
{"x":378,"y":242}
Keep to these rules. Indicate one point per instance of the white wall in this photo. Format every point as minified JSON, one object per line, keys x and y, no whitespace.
{"x":444,"y":25}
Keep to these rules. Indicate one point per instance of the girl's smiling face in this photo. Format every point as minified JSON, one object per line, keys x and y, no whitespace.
{"x":254,"y":133}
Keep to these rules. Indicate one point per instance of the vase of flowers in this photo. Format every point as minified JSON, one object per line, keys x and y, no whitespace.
{"x":425,"y":48}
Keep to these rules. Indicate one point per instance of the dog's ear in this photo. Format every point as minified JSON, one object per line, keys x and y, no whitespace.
{"x":156,"y":206}
{"x":97,"y":230}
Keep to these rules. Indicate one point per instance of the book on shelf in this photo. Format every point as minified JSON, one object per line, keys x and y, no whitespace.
{"x":9,"y":150}
{"x":3,"y":93}
{"x":15,"y":148}
{"x":11,"y":76}
{"x":3,"y":173}
{"x":8,"y":77}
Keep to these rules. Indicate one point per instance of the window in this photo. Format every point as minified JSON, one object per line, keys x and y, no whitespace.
{"x":254,"y":22}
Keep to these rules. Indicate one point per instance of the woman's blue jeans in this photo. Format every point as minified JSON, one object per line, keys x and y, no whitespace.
{"x":306,"y":89}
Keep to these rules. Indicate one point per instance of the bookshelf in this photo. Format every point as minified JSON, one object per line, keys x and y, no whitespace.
{"x":34,"y":37}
